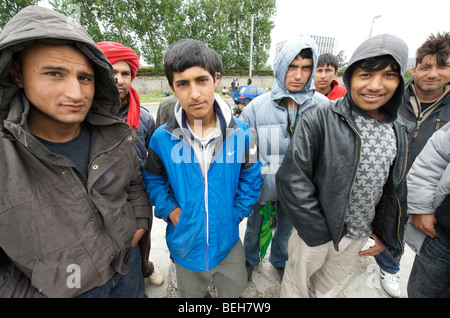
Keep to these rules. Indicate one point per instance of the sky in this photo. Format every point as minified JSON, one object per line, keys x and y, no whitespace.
{"x":349,"y":21}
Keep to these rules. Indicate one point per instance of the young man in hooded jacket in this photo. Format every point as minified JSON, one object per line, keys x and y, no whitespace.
{"x":203,"y":174}
{"x":343,"y":176}
{"x":72,"y":194}
{"x":273,"y":116}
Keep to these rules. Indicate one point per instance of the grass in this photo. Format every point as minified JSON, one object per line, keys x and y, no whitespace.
{"x":157,"y":97}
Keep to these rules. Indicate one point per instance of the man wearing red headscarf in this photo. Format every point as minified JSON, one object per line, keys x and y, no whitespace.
{"x":125,"y":63}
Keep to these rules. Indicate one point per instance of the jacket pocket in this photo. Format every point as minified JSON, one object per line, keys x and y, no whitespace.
{"x":66,"y":273}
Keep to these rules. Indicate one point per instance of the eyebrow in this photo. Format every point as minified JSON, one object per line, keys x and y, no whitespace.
{"x":60,"y":68}
{"x":197,"y":78}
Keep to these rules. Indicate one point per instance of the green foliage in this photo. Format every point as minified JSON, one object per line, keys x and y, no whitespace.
{"x":150,"y":26}
{"x":9,"y":8}
{"x":408,"y":75}
{"x":150,"y":71}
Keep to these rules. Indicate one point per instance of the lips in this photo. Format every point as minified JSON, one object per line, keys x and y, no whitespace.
{"x":195,"y":106}
{"x":74,"y":107}
{"x":372,"y":98}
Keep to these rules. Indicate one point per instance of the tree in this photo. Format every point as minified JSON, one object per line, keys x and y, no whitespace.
{"x":341,"y":59}
{"x":150,"y":26}
{"x":9,"y":8}
{"x":103,"y":20}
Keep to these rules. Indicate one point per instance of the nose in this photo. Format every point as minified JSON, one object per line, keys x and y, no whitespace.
{"x":74,"y":90}
{"x":195,"y":92}
{"x":298,"y":73}
{"x":433,"y":72}
{"x":375,"y":83}
{"x":118,"y":78}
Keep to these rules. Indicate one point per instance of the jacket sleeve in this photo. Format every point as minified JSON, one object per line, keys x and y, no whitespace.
{"x":13,"y":283}
{"x":294,"y":181}
{"x":426,"y":173}
{"x":138,"y":197}
{"x":157,"y":184}
{"x":249,"y":179}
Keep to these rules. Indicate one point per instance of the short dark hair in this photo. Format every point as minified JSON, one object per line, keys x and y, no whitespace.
{"x":377,"y":63}
{"x":438,"y":45}
{"x":188,"y":53}
{"x":306,"y":53}
{"x":328,"y":59}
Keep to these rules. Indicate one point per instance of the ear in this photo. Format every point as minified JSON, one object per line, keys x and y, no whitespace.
{"x":216,"y":81}
{"x":16,"y":74}
{"x":413,"y":70}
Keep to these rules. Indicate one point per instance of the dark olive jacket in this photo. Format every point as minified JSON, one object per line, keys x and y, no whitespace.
{"x":55,"y":222}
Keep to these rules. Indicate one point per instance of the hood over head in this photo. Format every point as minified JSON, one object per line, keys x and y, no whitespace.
{"x":379,"y":45}
{"x":285,"y":55}
{"x":38,"y":24}
{"x":116,"y":52}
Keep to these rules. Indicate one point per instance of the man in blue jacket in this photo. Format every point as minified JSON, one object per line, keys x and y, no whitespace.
{"x":203,"y":175}
{"x":273,"y":116}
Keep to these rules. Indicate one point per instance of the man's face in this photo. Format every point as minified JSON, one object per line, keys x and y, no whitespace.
{"x":298,"y":74}
{"x":325,"y":74}
{"x":122,"y":72}
{"x":371,"y":90}
{"x":430,"y":77}
{"x":195,"y":89}
{"x":58,"y":80}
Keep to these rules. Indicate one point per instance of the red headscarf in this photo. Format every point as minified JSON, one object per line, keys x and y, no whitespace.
{"x":116,"y":52}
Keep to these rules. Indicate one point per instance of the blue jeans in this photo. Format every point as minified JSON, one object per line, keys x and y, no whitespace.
{"x":430,"y":275}
{"x":278,"y":250}
{"x":130,"y":285}
{"x":387,"y":262}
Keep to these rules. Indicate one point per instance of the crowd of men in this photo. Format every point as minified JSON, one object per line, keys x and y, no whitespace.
{"x":84,"y":165}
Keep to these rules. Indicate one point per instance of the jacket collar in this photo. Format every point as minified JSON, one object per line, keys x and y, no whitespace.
{"x":344,"y":106}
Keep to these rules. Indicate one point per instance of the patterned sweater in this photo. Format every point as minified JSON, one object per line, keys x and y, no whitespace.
{"x":378,"y":152}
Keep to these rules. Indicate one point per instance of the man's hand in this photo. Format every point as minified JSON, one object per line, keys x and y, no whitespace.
{"x":425,"y":223}
{"x":375,"y":249}
{"x":174,"y":216}
{"x":137,"y":236}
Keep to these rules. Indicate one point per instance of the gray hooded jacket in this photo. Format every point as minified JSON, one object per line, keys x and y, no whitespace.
{"x":269,"y":118}
{"x":54,"y":219}
{"x":316,"y":178}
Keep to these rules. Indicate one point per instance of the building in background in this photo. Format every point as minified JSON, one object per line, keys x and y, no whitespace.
{"x":325,"y":44}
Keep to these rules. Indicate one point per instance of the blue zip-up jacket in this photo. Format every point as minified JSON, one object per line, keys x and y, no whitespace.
{"x":211,"y":207}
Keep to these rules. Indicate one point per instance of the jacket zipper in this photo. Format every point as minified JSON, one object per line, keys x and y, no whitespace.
{"x":205,"y":185}
{"x":398,"y":200}
{"x":206,"y":203}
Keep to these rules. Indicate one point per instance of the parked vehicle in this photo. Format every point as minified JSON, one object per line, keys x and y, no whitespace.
{"x":248,"y":93}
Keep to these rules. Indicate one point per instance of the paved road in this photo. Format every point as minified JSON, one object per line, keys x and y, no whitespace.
{"x":364,"y":281}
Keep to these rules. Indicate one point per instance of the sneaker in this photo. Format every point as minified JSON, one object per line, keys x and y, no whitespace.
{"x":390,"y":283}
{"x":156,"y":278}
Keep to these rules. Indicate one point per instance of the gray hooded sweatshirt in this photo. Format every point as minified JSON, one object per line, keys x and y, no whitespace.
{"x":269,"y":117}
{"x":56,"y":222}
